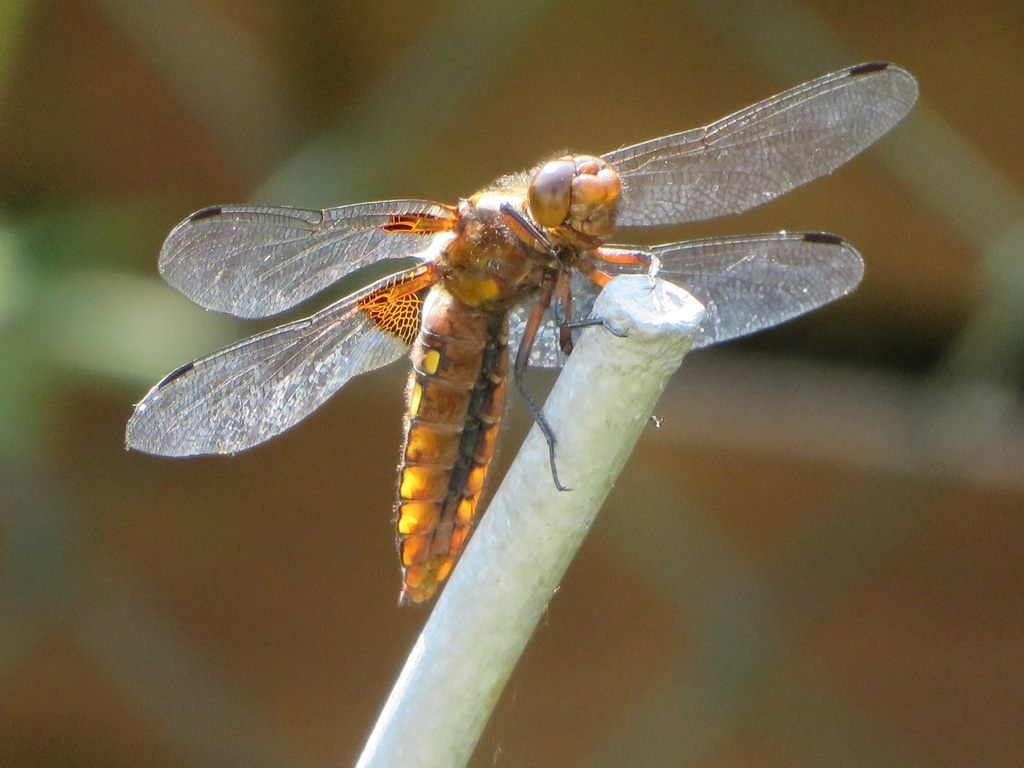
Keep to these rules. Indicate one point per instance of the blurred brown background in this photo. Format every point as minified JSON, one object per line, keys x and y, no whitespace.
{"x":817,"y":561}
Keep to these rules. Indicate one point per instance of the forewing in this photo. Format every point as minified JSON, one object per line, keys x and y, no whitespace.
{"x":255,"y":261}
{"x":249,"y":392}
{"x":752,"y":282}
{"x":761,"y":152}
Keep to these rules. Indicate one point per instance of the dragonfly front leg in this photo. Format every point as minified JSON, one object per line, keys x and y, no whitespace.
{"x":602,"y":278}
{"x":519,"y":369}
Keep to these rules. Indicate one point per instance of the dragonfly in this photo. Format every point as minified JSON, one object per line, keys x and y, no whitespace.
{"x":517,"y":266}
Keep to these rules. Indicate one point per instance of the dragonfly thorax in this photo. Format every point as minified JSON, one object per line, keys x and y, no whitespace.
{"x":489,"y":264}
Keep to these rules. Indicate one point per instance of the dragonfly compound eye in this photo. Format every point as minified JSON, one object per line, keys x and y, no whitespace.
{"x":549,"y":192}
{"x":595,"y":196}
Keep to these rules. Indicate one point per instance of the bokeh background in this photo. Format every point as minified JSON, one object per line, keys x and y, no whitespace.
{"x":818,"y":560}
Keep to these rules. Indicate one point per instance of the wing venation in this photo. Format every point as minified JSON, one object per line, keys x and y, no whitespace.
{"x":763,"y":151}
{"x":256,"y":261}
{"x":247,"y":393}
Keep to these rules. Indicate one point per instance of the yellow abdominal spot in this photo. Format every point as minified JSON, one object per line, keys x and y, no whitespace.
{"x":445,"y":568}
{"x":413,"y":579}
{"x":467,"y":508}
{"x":415,"y":483}
{"x":413,"y":549}
{"x":417,"y":517}
{"x":422,"y":443}
{"x":421,"y":579}
{"x":459,"y":539}
{"x":414,"y":399}
{"x":431,"y":361}
{"x":475,"y":483}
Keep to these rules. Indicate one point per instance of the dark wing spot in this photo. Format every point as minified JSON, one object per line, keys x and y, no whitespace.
{"x":206,"y":213}
{"x":175,"y":374}
{"x":866,"y":69}
{"x":822,"y":237}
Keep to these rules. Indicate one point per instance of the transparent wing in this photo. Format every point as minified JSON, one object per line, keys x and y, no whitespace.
{"x":545,"y":352}
{"x":249,"y":392}
{"x":255,"y":261}
{"x":761,"y":152}
{"x":749,"y":282}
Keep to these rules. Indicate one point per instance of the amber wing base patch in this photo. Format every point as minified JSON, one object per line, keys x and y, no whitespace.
{"x":396,"y":307}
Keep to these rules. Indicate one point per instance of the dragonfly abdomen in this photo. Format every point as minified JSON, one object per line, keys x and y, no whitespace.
{"x":455,"y":401}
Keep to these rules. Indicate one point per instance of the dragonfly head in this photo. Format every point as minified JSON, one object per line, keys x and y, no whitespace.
{"x":577,"y":191}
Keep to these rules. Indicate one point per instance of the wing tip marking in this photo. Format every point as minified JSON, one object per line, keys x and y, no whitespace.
{"x":206,"y":213}
{"x":175,"y":374}
{"x":824,"y":238}
{"x":867,"y":69}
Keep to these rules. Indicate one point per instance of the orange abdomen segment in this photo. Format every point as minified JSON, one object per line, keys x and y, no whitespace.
{"x":455,"y":400}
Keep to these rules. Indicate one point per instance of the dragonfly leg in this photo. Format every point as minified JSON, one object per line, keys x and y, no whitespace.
{"x":522,"y":223}
{"x":563,"y":293}
{"x":603,"y":322}
{"x":519,"y":369}
{"x":601,"y":278}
